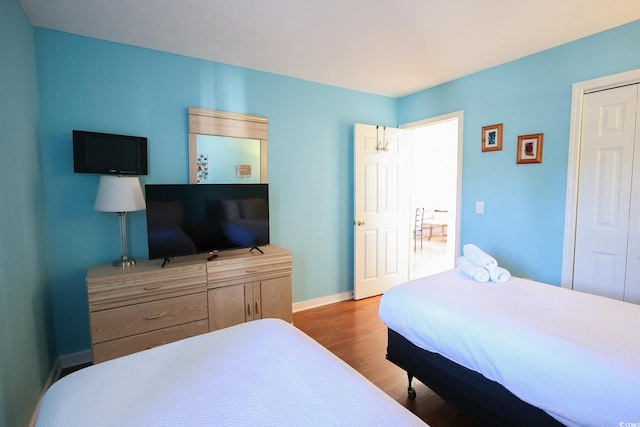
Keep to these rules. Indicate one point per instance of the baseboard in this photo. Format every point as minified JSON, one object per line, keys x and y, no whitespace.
{"x":318,"y":302}
{"x":83,"y":357}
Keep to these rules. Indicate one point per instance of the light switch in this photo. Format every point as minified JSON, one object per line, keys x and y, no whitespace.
{"x":479,"y":207}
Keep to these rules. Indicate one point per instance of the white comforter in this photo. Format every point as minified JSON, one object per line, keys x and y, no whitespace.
{"x":574,"y":355}
{"x":260,"y":373}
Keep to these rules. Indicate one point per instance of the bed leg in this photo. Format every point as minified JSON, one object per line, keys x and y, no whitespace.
{"x":410,"y":390}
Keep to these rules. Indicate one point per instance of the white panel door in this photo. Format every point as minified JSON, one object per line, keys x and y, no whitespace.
{"x":604,"y":193}
{"x":632,"y":282}
{"x":382,"y":231}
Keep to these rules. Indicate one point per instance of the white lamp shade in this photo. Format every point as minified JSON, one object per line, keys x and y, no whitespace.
{"x":119,"y":194}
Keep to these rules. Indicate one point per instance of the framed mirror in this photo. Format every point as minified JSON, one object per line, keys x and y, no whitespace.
{"x":227,"y":148}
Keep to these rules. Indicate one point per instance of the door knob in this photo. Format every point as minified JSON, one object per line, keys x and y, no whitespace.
{"x":360,"y":222}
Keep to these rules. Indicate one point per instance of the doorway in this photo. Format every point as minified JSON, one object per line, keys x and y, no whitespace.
{"x":435,"y":165}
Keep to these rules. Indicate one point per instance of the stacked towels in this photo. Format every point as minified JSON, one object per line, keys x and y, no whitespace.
{"x":481,"y":266}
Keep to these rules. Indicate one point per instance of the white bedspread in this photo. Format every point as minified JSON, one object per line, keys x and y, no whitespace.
{"x":260,"y":373}
{"x":574,"y":355}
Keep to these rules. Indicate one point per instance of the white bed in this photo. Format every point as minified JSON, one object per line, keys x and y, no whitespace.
{"x":264,"y":372}
{"x":575,"y":356}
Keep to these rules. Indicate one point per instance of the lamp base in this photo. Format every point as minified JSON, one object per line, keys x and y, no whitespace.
{"x":124,"y":263}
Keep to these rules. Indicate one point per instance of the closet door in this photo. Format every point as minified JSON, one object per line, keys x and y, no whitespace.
{"x":604,"y":193}
{"x":632,"y":282}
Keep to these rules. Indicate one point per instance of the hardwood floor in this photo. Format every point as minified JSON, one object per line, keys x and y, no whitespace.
{"x":353,"y":331}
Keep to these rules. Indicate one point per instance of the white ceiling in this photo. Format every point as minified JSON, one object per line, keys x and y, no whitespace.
{"x":387,"y":47}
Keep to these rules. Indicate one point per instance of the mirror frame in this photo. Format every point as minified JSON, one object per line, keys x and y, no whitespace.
{"x":203,"y":121}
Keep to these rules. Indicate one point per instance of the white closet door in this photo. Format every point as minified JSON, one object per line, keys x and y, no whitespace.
{"x":604,"y":193}
{"x":632,"y":282}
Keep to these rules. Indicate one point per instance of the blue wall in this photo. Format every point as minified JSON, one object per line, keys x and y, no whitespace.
{"x":27,"y":345}
{"x":523,"y":223}
{"x":99,"y":86}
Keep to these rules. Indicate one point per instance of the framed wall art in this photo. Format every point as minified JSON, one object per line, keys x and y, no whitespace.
{"x":530,"y":148}
{"x":243,"y":171}
{"x":492,"y":137}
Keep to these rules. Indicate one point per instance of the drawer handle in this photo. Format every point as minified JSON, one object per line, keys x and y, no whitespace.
{"x":252,"y":270}
{"x":155,"y":316}
{"x":153,"y":287}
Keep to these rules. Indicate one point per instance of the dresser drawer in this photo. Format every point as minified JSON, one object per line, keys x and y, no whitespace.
{"x":249,"y":269}
{"x":135,"y":319}
{"x":123,"y":346}
{"x":109,"y":288}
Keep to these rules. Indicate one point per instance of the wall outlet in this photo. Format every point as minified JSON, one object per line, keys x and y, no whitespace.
{"x":479,"y":207}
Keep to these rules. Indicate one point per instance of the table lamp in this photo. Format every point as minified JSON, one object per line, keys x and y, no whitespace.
{"x":120,"y":194}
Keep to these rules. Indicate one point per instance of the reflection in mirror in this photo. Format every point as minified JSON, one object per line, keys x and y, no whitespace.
{"x":227,"y":147}
{"x":226,"y":160}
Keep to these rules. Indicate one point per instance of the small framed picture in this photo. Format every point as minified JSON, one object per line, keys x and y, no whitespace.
{"x":492,"y":138}
{"x":530,"y":148}
{"x":243,"y":171}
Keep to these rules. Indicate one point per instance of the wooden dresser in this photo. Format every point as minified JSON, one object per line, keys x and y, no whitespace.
{"x":149,"y":305}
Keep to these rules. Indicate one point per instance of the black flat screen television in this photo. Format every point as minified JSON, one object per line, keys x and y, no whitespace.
{"x":106,"y":153}
{"x":185,"y":219}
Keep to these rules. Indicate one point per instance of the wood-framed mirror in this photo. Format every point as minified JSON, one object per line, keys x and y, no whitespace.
{"x":227,"y":148}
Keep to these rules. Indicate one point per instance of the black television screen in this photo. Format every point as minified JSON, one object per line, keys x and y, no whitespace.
{"x":184,"y":219}
{"x":106,"y":153}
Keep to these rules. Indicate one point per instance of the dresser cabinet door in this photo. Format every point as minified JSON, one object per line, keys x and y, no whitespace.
{"x":235,"y":304}
{"x":253,"y":308}
{"x":275,"y":296}
{"x":226,"y":306}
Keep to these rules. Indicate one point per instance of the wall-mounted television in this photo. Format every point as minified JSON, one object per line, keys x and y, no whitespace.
{"x":185,"y":219}
{"x":106,"y":153}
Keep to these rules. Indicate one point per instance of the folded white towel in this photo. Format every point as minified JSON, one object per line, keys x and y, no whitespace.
{"x":478,"y":256}
{"x":473,"y":270}
{"x":499,"y":274}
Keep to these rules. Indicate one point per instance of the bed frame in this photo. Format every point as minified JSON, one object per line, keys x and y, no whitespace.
{"x":467,"y":390}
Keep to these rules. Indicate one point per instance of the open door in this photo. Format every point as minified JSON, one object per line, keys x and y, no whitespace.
{"x":382,"y":226}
